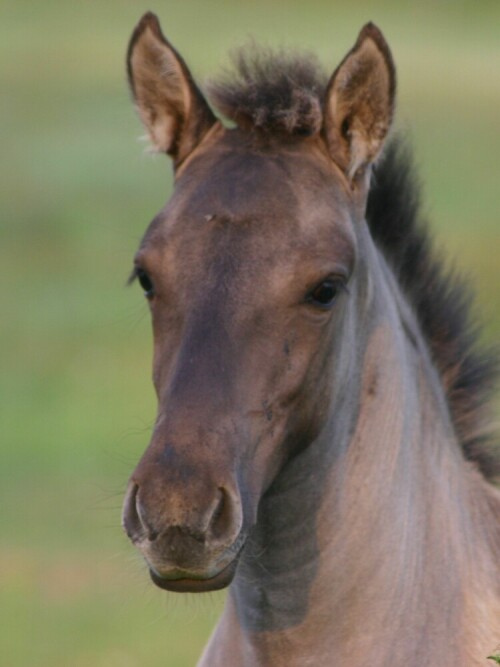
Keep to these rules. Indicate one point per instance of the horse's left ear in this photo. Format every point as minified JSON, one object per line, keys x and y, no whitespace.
{"x":170,"y":105}
{"x":359,"y":103}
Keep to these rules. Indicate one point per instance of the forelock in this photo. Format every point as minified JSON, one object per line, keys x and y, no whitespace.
{"x":273,"y":91}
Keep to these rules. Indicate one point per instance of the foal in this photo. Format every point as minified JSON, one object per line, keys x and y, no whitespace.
{"x":319,"y":444}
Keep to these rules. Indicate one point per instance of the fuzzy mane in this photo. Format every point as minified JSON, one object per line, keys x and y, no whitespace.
{"x":442,"y":302}
{"x":274,"y":91}
{"x":283,"y":92}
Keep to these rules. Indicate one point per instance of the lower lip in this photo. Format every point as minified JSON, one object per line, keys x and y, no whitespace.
{"x":186,"y":585}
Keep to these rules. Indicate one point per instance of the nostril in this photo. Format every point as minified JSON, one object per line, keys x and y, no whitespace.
{"x":135,"y":526}
{"x":152,"y":534}
{"x":130,"y":517}
{"x":223,"y":516}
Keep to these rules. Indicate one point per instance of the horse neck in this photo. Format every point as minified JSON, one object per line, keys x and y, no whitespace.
{"x":411,"y":530}
{"x":379,"y":525}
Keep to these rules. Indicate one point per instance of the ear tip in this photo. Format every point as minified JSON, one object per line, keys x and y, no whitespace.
{"x":147,"y":20}
{"x":150,"y":21}
{"x":373,"y":31}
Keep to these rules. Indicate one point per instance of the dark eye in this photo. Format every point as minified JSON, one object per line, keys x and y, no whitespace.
{"x":145,"y":282}
{"x":324,"y":294}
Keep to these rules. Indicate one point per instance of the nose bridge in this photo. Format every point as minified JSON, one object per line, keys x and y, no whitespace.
{"x":188,"y":466}
{"x":183,"y":452}
{"x":201,"y":377}
{"x":192,"y":450}
{"x":184,"y":504}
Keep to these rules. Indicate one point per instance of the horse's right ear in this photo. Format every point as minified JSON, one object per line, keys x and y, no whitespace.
{"x":170,"y":105}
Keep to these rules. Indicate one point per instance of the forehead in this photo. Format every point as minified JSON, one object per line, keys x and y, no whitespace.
{"x":256,"y":192}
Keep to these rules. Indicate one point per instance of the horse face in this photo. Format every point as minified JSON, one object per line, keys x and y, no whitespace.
{"x":246,"y":271}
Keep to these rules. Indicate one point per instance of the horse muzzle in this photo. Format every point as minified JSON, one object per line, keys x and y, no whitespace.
{"x":190,"y":541}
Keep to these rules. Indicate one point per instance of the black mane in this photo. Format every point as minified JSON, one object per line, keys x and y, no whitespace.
{"x":283,"y":92}
{"x":442,"y":302}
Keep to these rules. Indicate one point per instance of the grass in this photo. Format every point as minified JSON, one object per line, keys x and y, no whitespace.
{"x":75,"y":391}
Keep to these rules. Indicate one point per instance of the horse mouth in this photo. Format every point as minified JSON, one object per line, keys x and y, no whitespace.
{"x":196,"y":584}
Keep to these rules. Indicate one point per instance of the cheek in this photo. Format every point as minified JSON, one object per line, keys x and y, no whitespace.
{"x":160,"y":371}
{"x":294,"y":409}
{"x":287,"y":382}
{"x":306,"y":353}
{"x":311,"y":379}
{"x":157,"y":373}
{"x":165,"y":347}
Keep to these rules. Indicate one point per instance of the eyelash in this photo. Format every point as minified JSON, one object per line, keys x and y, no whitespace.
{"x":326,"y":292}
{"x":144,"y":280}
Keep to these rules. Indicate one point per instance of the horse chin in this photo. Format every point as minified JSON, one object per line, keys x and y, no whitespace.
{"x":195,"y":584}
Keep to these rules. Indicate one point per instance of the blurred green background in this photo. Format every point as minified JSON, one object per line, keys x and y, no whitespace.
{"x":77,"y":192}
